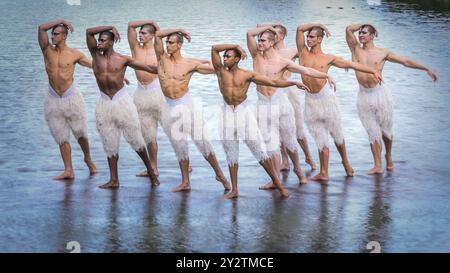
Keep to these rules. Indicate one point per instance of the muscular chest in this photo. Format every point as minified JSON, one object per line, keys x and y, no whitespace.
{"x":55,"y":61}
{"x":175,"y":71}
{"x":103,"y":65}
{"x":268,"y":68}
{"x":372,"y":59}
{"x":320,"y":63}
{"x":146,"y":56}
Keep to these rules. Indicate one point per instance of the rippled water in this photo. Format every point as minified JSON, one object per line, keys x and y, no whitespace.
{"x":405,"y":211}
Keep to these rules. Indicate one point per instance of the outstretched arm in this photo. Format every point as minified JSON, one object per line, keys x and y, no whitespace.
{"x":141,"y":66}
{"x":263,"y":80}
{"x":90,"y":36}
{"x":251,"y":42}
{"x":300,"y":35}
{"x":215,"y":57}
{"x":84,"y":61}
{"x":132,"y":35}
{"x":293,"y":67}
{"x":204,"y":69}
{"x":341,"y":63}
{"x":352,"y":42}
{"x":410,"y":63}
{"x":42,"y":31}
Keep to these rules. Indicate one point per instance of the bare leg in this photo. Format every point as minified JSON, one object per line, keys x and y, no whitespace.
{"x":324,"y":155}
{"x":185,"y":184}
{"x":84,"y":144}
{"x":219,"y":174}
{"x":152,"y":149}
{"x":297,"y":169}
{"x":342,"y":151}
{"x":285,"y":160}
{"x":388,"y":145}
{"x":271,"y":171}
{"x":113,"y":182}
{"x":308,"y":158}
{"x":275,"y":161}
{"x":233,"y":174}
{"x":67,"y":160}
{"x":143,"y":155}
{"x":376,"y":152}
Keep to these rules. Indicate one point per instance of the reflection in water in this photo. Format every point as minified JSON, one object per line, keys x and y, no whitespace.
{"x":112,"y":229}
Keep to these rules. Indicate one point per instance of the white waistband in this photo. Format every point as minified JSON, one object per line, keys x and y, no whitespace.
{"x":279,"y":93}
{"x":69,"y":92}
{"x":183,"y":100}
{"x":149,"y":87}
{"x":326,"y":89}
{"x":377,"y":87}
{"x":116,"y":96}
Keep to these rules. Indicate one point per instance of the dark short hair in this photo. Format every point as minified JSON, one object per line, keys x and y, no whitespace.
{"x":318,"y":30}
{"x":237,"y":53}
{"x":108,"y":33}
{"x":370,"y":28}
{"x":151,"y":28}
{"x":63,"y":27}
{"x":178,"y":35}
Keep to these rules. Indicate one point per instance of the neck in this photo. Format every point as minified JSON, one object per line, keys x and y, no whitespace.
{"x":61,"y":46}
{"x":269,"y":53}
{"x":233,"y":68}
{"x":148,"y":45}
{"x":369,"y":45}
{"x":176,"y":56}
{"x":316,"y":49}
{"x":108,"y":52}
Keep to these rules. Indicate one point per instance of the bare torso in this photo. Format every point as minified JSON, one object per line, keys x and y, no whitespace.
{"x":234,"y":85}
{"x":318,"y":61}
{"x":273,"y":68}
{"x":374,"y":58}
{"x":109,"y":72}
{"x":147,"y":56}
{"x":174,"y":75}
{"x":60,"y":67}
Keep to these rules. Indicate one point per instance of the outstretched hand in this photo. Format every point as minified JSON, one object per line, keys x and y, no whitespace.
{"x":301,"y":85}
{"x":433,"y":75}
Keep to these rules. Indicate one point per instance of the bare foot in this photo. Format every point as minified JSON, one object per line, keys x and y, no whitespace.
{"x":320,"y":177}
{"x":154,"y":181}
{"x":182,"y":187}
{"x":348,"y":169}
{"x":225,"y":183}
{"x":66,"y":175}
{"x":284,"y":193}
{"x":91,"y":166}
{"x":112,"y":184}
{"x":145,"y":173}
{"x":190,"y":168}
{"x":389,"y":163}
{"x":285,"y":167}
{"x":269,"y":186}
{"x":375,"y":170}
{"x":311,"y":163}
{"x":232,"y":195}
{"x":301,"y":177}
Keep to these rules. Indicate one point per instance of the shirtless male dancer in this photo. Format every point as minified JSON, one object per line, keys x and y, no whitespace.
{"x":115,"y":111}
{"x":291,"y":53}
{"x":375,"y":101}
{"x":322,"y":114}
{"x":175,"y":73}
{"x":281,"y":125}
{"x":233,"y":84}
{"x":64,"y":106}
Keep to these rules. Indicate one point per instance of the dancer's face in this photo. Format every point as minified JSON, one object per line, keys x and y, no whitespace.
{"x":312,"y":39}
{"x":365,"y":36}
{"x":230,"y":59}
{"x":145,"y":35}
{"x":104,"y":42}
{"x":59,"y":34}
{"x":172,"y":44}
{"x":264,"y":42}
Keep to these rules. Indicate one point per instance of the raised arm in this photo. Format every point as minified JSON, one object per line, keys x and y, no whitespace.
{"x":42,"y":31}
{"x":215,"y":57}
{"x":300,"y":35}
{"x":341,"y":63}
{"x":132,"y":34}
{"x":410,"y":63}
{"x":90,"y":36}
{"x":263,"y":80}
{"x":141,"y":66}
{"x":251,"y":42}
{"x":160,"y":34}
{"x":352,"y":42}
